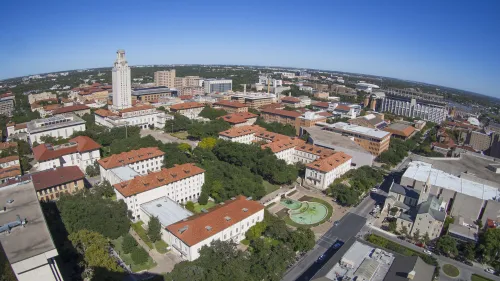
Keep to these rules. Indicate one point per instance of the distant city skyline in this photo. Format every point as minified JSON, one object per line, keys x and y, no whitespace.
{"x":448,"y":43}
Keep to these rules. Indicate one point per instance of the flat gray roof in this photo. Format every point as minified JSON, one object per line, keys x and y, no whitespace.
{"x":125,"y":173}
{"x":328,"y":138}
{"x":34,"y":238}
{"x":167,"y":211}
{"x":54,"y":122}
{"x":463,"y":231}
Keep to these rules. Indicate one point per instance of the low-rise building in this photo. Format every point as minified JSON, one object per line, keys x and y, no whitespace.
{"x":189,"y":109}
{"x":322,"y":172}
{"x":32,"y":98}
{"x":25,"y":237}
{"x":142,"y":161}
{"x":291,"y":102}
{"x":464,"y":230}
{"x":374,"y":140}
{"x":51,"y":184}
{"x":240,"y":119}
{"x":79,"y":109}
{"x":226,"y":222}
{"x":401,"y":130}
{"x":81,"y":151}
{"x":321,"y":95}
{"x":59,"y":126}
{"x":152,"y":94}
{"x":478,"y":140}
{"x":217,"y":85}
{"x":345,"y":110}
{"x":280,"y":116}
{"x":321,"y":105}
{"x":9,"y":168}
{"x":231,"y":106}
{"x":181,"y":184}
{"x":9,"y":161}
{"x":254,"y":100}
{"x":241,"y":134}
{"x":372,"y":120}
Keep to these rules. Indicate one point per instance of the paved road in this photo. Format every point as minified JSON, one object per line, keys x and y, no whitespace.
{"x":465,"y":270}
{"x":307,"y":266}
{"x":166,"y":138}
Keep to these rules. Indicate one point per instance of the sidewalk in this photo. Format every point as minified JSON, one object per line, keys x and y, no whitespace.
{"x":164,"y":262}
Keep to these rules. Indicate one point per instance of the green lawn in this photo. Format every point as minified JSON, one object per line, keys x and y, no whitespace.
{"x":270,"y":187}
{"x":161,"y":246}
{"x":198,"y":207}
{"x":451,"y":270}
{"x":245,"y":242}
{"x":476,"y":277}
{"x":180,"y":135}
{"x":127,"y":258}
{"x":142,"y":233}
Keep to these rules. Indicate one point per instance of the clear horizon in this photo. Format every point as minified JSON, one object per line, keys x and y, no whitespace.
{"x":450,"y":43}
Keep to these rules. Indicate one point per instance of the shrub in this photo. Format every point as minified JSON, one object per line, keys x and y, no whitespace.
{"x":129,"y":244}
{"x":139,"y":255}
{"x":190,"y":206}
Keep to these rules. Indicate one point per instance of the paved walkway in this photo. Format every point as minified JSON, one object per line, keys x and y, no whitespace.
{"x":165,"y":137}
{"x":164,"y":262}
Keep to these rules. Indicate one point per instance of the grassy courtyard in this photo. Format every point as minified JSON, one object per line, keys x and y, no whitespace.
{"x":198,"y":207}
{"x":127,"y":258}
{"x":476,"y":277}
{"x":142,"y":233}
{"x":451,"y":270}
{"x":270,"y":187}
{"x":182,"y":135}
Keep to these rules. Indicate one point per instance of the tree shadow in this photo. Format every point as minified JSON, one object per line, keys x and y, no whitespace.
{"x":103,"y":274}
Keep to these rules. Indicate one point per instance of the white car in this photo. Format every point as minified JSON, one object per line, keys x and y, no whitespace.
{"x":374,"y":189}
{"x":427,"y":252}
{"x":490,"y":270}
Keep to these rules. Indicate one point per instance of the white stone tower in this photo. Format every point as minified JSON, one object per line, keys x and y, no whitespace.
{"x":122,"y":91}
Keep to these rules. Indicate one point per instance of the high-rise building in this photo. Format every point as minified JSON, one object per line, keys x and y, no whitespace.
{"x":122,"y":91}
{"x":165,"y":78}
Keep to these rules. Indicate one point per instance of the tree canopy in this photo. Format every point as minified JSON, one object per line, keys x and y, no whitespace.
{"x":212,"y":113}
{"x":92,"y":212}
{"x":284,"y":129}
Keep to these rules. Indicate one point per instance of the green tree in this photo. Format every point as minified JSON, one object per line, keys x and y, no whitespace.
{"x":92,"y":170}
{"x":92,"y":212}
{"x":203,"y":200}
{"x":212,"y":113}
{"x":426,"y":238}
{"x":404,"y":230}
{"x":447,"y":245}
{"x":129,"y":243}
{"x":93,"y":246}
{"x":255,"y":231}
{"x":139,"y":255}
{"x":104,"y":189}
{"x":207,"y":143}
{"x":489,"y":244}
{"x":392,"y":226}
{"x":276,"y":127}
{"x":154,"y":229}
{"x":302,"y":239}
{"x":469,"y":251}
{"x":179,"y":123}
{"x":190,"y":206}
{"x":184,"y":147}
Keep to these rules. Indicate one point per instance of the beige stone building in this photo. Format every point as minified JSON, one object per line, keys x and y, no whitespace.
{"x":51,"y":184}
{"x":165,"y":78}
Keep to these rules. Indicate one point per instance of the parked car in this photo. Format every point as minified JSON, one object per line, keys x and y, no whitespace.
{"x":374,"y":189}
{"x":336,"y":223}
{"x":467,"y":262}
{"x":427,"y":252}
{"x":321,"y":258}
{"x":490,"y":270}
{"x":337,"y":245}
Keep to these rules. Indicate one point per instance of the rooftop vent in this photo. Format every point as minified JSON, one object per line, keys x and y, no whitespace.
{"x":208,"y":227}
{"x":232,"y":198}
{"x":184,"y":228}
{"x":204,"y":210}
{"x":158,"y":205}
{"x":221,"y":203}
{"x":245,"y":210}
{"x":249,"y":198}
{"x":227,"y":218}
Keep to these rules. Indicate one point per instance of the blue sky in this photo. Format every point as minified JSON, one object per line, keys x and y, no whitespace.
{"x":451,"y":43}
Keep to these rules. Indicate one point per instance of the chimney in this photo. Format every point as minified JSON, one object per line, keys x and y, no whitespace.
{"x":411,"y":275}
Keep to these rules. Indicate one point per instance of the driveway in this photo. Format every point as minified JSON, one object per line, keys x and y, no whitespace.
{"x":166,"y":138}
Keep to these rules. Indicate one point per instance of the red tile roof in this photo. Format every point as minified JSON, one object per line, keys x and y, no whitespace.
{"x":286,"y":113}
{"x":136,"y":108}
{"x":57,"y":176}
{"x":406,"y":132}
{"x":238,"y":117}
{"x":125,"y":158}
{"x":72,"y":108}
{"x":316,"y":150}
{"x":186,"y":97}
{"x":9,"y":158}
{"x":226,"y":103}
{"x":290,"y":100}
{"x":200,"y":227}
{"x":342,"y":107}
{"x":21,"y":126}
{"x":322,"y":104}
{"x":44,"y":152}
{"x":154,"y":180}
{"x":5,"y":145}
{"x":329,"y":163}
{"x":282,"y":144}
{"x":241,"y":131}
{"x":186,"y":105}
{"x":10,"y":172}
{"x":104,"y":112}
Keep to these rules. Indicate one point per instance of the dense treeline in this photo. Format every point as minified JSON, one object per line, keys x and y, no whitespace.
{"x":272,"y":248}
{"x":212,"y":113}
{"x":348,"y":188}
{"x":259,"y":161}
{"x":284,"y":129}
{"x":196,"y":129}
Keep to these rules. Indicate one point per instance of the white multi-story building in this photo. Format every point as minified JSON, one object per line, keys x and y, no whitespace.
{"x":81,"y":151}
{"x":189,"y":109}
{"x":9,"y":161}
{"x":59,"y":126}
{"x":142,"y":161}
{"x":143,"y":116}
{"x":32,"y":98}
{"x":181,"y":184}
{"x":242,"y":134}
{"x":217,"y":85}
{"x":228,"y":222}
{"x":321,"y":173}
{"x":122,"y":90}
